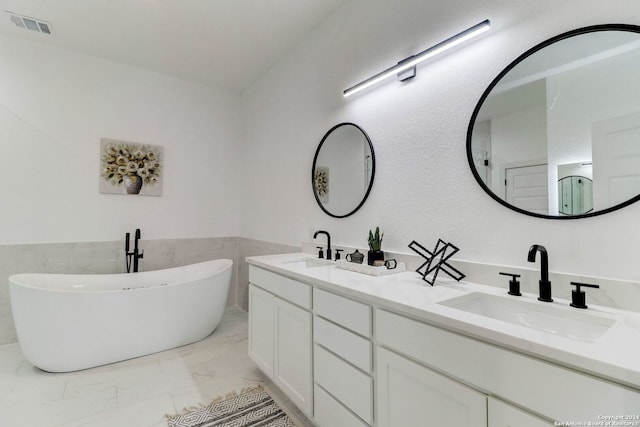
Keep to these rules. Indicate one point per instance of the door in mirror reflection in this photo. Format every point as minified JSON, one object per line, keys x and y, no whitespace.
{"x":574,"y":99}
{"x":343,"y":170}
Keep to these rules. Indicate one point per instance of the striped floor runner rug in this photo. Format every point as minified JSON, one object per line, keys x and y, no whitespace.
{"x":252,"y":408}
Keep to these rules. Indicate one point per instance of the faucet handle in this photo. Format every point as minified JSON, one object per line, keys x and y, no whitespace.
{"x":338,"y":254}
{"x":514,"y":284}
{"x":320,"y":252}
{"x":578,"y":297}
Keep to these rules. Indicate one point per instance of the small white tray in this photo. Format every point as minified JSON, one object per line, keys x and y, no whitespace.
{"x":370,"y":270}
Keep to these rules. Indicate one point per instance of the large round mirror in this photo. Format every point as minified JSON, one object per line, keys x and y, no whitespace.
{"x":343,"y":170}
{"x":568,"y":107}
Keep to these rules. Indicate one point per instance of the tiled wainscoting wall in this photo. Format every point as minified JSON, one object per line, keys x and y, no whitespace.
{"x":108,"y":257}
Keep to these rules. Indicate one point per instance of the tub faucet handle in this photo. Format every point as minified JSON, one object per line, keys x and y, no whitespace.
{"x":132,"y":257}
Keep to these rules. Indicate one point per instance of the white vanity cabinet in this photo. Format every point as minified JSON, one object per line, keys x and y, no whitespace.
{"x":410,"y":394}
{"x":502,"y":414}
{"x":342,"y":361}
{"x":539,"y":387}
{"x":350,"y":361}
{"x":280,"y":333}
{"x":261,"y":329}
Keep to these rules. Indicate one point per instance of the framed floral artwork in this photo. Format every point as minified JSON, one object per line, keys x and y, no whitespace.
{"x":130,"y":168}
{"x":321,"y":183}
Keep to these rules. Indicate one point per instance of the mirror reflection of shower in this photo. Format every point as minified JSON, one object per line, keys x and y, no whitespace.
{"x":575,"y":188}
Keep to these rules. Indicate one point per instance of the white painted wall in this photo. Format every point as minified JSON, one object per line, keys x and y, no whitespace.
{"x":423,"y":188}
{"x":516,"y":138}
{"x":56,"y":105}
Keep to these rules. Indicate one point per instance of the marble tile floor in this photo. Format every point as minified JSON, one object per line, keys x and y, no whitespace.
{"x":137,"y":392}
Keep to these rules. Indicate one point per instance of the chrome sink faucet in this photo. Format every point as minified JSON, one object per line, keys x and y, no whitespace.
{"x":328,"y":241}
{"x":544,"y":283}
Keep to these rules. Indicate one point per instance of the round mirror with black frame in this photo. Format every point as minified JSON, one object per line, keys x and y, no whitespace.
{"x":571,"y":101}
{"x":343,"y":169}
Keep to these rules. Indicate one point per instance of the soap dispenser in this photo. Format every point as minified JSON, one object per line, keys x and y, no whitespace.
{"x":356,"y":257}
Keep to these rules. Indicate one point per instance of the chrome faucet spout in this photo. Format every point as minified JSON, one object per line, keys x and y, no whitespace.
{"x":328,"y":241}
{"x":544,"y":283}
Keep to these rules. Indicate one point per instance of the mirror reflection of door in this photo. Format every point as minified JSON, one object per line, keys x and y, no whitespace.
{"x":526,"y":188}
{"x":616,"y":159}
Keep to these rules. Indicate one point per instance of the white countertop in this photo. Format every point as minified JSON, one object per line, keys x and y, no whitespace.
{"x":615,"y":355}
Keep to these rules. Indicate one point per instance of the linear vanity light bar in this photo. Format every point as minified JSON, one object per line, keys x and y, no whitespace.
{"x":412,"y":61}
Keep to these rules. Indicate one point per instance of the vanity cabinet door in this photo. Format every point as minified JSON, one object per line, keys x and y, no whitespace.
{"x":292,"y":370}
{"x":409,"y":394}
{"x":502,"y":414}
{"x":261,"y":333}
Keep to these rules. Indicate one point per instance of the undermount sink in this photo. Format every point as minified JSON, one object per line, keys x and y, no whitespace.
{"x":304,"y":262}
{"x":569,"y":323}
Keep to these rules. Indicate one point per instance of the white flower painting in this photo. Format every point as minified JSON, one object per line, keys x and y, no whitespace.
{"x":130,"y":168}
{"x":321,"y":183}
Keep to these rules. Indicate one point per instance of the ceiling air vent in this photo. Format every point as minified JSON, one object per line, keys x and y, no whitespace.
{"x":32,"y":24}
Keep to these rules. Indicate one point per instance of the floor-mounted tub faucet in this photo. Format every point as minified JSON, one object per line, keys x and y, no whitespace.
{"x":135,"y":255}
{"x":545,"y":284}
{"x":328,"y":241}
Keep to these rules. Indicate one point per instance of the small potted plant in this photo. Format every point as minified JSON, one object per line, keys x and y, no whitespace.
{"x":375,"y":246}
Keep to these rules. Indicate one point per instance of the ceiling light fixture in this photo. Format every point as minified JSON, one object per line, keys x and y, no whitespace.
{"x":405,"y":69}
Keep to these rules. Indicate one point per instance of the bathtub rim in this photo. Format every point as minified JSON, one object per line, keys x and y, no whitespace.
{"x":224,"y":264}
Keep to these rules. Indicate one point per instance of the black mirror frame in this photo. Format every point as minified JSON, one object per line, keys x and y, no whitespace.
{"x":373,"y":170}
{"x":485,"y":94}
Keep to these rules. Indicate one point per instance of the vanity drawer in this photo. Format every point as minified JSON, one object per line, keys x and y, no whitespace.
{"x":329,"y":412}
{"x":283,"y":287}
{"x":350,"y":386}
{"x":345,"y":312}
{"x":345,"y":344}
{"x":548,"y":389}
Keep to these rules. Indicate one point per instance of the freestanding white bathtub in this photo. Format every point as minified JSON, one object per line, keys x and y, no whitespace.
{"x":68,"y":322}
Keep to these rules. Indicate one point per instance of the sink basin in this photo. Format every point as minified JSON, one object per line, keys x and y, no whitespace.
{"x":307,"y":262}
{"x":546,"y":317}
